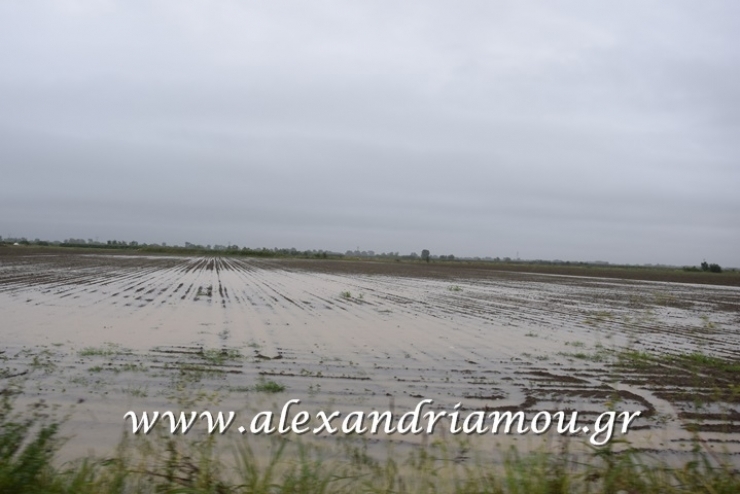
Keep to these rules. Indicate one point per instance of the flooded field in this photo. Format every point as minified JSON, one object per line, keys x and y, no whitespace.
{"x":99,"y":335}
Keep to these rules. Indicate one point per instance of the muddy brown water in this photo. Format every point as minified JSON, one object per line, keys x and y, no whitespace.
{"x":99,"y":335}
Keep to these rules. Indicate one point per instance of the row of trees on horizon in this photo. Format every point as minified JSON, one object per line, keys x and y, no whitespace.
{"x":234,"y":249}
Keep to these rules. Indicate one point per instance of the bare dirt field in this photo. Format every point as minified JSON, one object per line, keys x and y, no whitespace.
{"x":101,"y":334}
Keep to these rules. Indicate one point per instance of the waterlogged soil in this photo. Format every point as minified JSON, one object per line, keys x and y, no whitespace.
{"x":95,"y":336}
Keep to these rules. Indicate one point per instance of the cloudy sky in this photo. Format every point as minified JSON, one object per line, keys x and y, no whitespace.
{"x":558,"y":130}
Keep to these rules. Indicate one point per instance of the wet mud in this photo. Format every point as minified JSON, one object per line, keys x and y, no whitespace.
{"x":98,"y":335}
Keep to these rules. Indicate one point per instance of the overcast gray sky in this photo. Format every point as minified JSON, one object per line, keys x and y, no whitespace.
{"x":559,"y":130}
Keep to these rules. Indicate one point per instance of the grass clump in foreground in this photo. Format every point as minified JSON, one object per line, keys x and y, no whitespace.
{"x":169,"y":464}
{"x":269,"y":386}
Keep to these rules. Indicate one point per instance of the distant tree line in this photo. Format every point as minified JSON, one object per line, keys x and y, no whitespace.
{"x":705,"y":267}
{"x":235,"y":250}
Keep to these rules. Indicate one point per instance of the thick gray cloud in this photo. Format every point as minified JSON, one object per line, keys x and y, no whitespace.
{"x":576,"y":130}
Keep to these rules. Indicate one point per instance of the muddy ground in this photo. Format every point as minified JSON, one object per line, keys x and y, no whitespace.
{"x":100,"y":334}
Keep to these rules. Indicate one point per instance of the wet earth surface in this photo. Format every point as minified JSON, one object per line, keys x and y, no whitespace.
{"x":97,"y":335}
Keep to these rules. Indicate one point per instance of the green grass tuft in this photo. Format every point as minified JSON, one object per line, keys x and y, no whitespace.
{"x":269,"y":387}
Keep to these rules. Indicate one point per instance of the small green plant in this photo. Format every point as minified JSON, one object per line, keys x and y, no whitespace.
{"x":694,"y":362}
{"x":43,"y":362}
{"x":132,"y":367}
{"x":136,"y":392}
{"x":703,"y":363}
{"x":108,"y":350}
{"x":265,"y":386}
{"x":454,"y":288}
{"x":216,"y":356}
{"x":707,"y":325}
{"x":346,"y":295}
